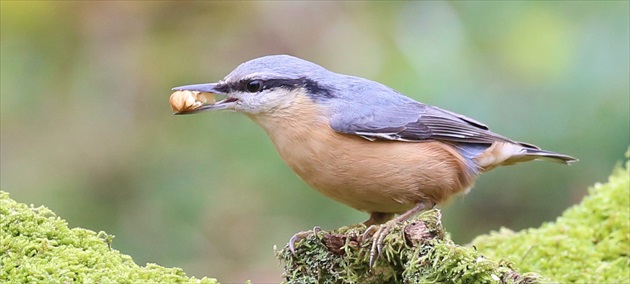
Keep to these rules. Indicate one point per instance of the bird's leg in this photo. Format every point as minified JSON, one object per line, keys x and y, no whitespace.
{"x":376,"y":218}
{"x":383,"y":230}
{"x":300,"y":236}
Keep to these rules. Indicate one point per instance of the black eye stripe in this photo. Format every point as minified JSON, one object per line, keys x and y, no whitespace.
{"x":314,"y":88}
{"x":282,"y":83}
{"x":245,"y":85}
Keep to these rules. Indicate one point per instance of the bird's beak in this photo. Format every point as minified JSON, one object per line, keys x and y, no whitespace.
{"x":227,"y":103}
{"x":206,"y":88}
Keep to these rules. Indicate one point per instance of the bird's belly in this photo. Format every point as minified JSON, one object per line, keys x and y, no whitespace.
{"x":379,"y":176}
{"x":372,"y":176}
{"x":382,"y":176}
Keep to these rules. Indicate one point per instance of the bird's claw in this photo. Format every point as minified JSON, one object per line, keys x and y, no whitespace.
{"x":383,"y":230}
{"x":301,"y":235}
{"x":377,"y":241}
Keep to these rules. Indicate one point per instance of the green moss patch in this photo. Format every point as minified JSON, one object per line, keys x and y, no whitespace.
{"x":589,"y":243}
{"x":36,"y":246}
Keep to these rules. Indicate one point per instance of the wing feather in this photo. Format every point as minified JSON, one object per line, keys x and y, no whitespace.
{"x":414,"y":123}
{"x":377,"y":112}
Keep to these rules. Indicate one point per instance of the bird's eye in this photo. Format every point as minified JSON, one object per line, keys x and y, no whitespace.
{"x":254,"y":86}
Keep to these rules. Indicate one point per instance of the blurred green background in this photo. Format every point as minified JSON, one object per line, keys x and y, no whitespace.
{"x":87,"y":129}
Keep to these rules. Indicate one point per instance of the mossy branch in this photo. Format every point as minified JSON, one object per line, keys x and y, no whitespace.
{"x":589,"y":243}
{"x":415,"y":251}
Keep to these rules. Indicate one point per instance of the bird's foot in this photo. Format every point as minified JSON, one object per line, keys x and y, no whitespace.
{"x":377,"y":233}
{"x":301,"y":235}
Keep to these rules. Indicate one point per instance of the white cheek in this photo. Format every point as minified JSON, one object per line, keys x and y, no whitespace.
{"x":267,"y":101}
{"x":252,"y":104}
{"x":282,"y":98}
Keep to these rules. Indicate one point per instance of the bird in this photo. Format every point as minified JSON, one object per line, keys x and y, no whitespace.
{"x":362,"y":143}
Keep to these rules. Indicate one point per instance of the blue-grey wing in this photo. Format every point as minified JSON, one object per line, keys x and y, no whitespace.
{"x":412,"y":121}
{"x":377,"y":112}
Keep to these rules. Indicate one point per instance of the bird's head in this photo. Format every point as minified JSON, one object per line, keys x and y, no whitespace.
{"x":266,"y":84}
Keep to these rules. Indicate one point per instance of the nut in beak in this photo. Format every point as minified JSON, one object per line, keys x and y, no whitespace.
{"x":188,"y":101}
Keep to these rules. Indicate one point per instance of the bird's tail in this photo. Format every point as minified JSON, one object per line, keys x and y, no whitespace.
{"x":538,"y":154}
{"x":505,"y":153}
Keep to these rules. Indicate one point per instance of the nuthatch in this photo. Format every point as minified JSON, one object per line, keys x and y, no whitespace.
{"x":362,"y":143}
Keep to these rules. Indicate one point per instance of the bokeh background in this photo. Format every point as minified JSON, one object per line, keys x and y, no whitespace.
{"x":87,"y":129}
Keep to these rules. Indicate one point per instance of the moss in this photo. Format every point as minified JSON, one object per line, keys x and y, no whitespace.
{"x":415,"y":251}
{"x":589,"y":243}
{"x":36,"y":246}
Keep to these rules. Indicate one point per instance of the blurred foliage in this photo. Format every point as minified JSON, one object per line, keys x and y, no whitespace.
{"x":87,"y":130}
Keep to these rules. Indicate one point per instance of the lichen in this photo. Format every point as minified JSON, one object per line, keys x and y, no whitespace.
{"x":36,"y":246}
